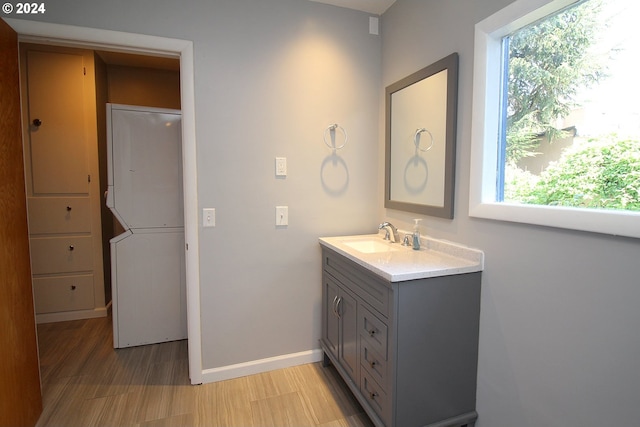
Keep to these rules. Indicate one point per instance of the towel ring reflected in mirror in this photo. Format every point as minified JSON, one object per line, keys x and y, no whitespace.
{"x":416,"y":139}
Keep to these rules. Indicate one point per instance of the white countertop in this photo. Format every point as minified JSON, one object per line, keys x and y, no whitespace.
{"x":397,"y":263}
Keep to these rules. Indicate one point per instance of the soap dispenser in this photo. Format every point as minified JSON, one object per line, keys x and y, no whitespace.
{"x":416,"y":234}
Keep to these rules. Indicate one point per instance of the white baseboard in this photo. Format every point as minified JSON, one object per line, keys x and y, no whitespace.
{"x":63,"y":316}
{"x":261,"y":365}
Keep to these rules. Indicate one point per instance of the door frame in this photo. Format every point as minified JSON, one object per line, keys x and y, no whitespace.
{"x":90,"y":38}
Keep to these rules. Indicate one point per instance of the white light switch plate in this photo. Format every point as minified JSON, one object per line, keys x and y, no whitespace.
{"x":282,"y":215}
{"x":208,"y":217}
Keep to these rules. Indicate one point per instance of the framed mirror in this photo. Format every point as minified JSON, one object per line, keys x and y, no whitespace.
{"x":420,"y":133}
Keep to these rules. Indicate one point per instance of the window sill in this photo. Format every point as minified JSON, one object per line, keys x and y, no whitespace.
{"x":618,"y":223}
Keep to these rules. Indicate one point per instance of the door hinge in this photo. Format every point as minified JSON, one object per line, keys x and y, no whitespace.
{"x":187,"y":245}
{"x":84,"y":71}
{"x":88,"y":178}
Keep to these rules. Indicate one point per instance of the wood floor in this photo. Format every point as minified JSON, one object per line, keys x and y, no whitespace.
{"x":88,"y":383}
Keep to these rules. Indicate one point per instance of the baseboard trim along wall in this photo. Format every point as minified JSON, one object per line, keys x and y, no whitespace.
{"x":261,"y":365}
{"x":71,"y":315}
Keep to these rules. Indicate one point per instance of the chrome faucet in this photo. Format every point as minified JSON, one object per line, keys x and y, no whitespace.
{"x":388,"y":226}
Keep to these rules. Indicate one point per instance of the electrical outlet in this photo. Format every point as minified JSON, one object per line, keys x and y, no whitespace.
{"x":281,"y":166}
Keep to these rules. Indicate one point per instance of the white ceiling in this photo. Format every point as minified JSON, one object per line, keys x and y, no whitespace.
{"x":372,"y":6}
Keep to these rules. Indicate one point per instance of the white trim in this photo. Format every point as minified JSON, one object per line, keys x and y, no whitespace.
{"x":48,"y":33}
{"x":64,"y":316}
{"x":261,"y":365}
{"x":485,"y":131}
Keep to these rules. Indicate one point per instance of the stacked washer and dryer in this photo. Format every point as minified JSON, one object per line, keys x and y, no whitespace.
{"x":144,"y":158}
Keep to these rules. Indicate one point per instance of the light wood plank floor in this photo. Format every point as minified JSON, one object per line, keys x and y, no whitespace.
{"x":88,"y":383}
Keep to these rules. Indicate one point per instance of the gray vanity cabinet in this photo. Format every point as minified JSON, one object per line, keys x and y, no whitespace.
{"x":407,"y":350}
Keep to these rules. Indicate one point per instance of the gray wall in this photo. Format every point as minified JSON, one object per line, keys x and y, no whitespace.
{"x":559,"y":333}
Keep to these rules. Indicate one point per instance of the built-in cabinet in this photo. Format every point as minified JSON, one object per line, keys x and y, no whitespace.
{"x":62,"y":183}
{"x":407,"y":350}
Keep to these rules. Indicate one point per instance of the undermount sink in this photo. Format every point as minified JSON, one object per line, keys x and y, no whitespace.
{"x":370,"y":246}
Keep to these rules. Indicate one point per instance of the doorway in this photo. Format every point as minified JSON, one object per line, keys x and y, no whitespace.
{"x":47,"y":33}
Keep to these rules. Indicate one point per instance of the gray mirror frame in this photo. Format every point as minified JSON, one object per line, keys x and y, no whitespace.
{"x":449,"y":63}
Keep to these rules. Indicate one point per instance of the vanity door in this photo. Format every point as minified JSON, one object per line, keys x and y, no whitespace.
{"x":331,"y":323}
{"x":340,"y":326}
{"x":348,"y":348}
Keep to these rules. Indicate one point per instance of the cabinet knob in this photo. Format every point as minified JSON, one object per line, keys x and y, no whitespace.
{"x":373,"y":395}
{"x":71,"y":247}
{"x":372,"y":364}
{"x":37,"y":122}
{"x":372,"y":332}
{"x":68,"y":208}
{"x":73,"y":287}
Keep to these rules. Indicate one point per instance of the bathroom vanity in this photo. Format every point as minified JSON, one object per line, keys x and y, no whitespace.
{"x":401,"y":327}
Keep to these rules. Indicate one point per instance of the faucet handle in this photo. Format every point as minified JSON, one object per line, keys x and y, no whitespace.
{"x":406,"y":241}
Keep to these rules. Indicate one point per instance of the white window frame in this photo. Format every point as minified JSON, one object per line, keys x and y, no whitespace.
{"x":485,"y":129}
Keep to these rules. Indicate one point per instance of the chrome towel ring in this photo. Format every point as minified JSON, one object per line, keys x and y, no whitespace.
{"x":332,"y":128}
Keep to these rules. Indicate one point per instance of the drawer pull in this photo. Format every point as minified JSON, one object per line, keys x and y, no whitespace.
{"x":335,"y":311}
{"x":73,"y":287}
{"x":71,"y":247}
{"x":68,"y":208}
{"x":373,"y":395}
{"x":372,"y":332}
{"x":372,"y":364}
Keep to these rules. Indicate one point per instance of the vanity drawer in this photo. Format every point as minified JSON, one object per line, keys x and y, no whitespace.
{"x":63,"y":293}
{"x":61,"y":254}
{"x":59,"y":215}
{"x":376,"y":397}
{"x":363,"y":283}
{"x":373,"y":331}
{"x":375,"y":364}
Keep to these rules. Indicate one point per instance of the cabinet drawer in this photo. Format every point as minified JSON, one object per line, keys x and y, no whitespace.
{"x":63,"y":293}
{"x":373,"y":331}
{"x":61,"y":254}
{"x":363,"y":283}
{"x":375,"y":364}
{"x":61,"y":215}
{"x":376,"y":397}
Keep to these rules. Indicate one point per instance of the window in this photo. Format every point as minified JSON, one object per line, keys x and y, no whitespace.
{"x":556,"y":129}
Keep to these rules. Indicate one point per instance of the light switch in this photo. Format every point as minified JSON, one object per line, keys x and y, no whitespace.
{"x":281,"y":166}
{"x":282,"y":215}
{"x":208,"y":217}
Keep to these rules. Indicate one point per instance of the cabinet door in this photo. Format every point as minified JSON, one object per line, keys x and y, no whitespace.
{"x":56,"y":116}
{"x":348,"y":348}
{"x":332,"y":321}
